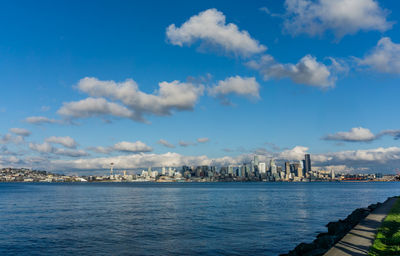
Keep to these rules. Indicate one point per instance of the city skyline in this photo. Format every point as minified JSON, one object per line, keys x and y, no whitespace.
{"x":253,"y":171}
{"x":205,"y":83}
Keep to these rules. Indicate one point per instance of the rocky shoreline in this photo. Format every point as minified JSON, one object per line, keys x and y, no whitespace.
{"x":336,"y":231}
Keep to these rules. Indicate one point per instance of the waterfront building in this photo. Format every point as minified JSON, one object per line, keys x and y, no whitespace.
{"x":154,"y":174}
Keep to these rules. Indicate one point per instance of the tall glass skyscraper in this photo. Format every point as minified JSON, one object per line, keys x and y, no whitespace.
{"x":307,"y":163}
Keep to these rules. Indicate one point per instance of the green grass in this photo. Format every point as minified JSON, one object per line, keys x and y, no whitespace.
{"x":387,"y":241}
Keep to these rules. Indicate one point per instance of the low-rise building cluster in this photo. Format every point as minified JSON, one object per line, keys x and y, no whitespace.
{"x":28,"y":175}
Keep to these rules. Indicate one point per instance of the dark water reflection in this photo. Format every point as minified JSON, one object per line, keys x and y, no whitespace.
{"x":174,"y":219}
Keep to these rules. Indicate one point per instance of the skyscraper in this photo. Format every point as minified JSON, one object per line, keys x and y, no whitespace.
{"x":287,"y":170}
{"x":300,"y":170}
{"x":307,"y":163}
{"x":272,"y":167}
{"x":256,"y":162}
{"x":262,"y":167}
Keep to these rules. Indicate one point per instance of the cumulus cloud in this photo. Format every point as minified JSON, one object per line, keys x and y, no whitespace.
{"x":355,"y":134}
{"x":307,"y":71}
{"x":203,"y":140}
{"x":369,"y":159}
{"x":20,"y":131}
{"x":145,"y":160}
{"x":346,"y":160}
{"x":296,"y":153}
{"x":360,"y":134}
{"x":210,"y":27}
{"x":123,"y":146}
{"x":65,"y":141}
{"x":242,"y":86}
{"x":136,"y":147}
{"x":384,"y":58}
{"x":9,"y":138}
{"x":342,"y":17}
{"x":40,"y":120}
{"x":94,"y":107}
{"x":46,"y":147}
{"x":42,"y":148}
{"x":165,"y":143}
{"x":381,"y":155}
{"x":375,"y":159}
{"x":170,"y":96}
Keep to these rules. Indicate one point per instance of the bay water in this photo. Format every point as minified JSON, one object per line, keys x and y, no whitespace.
{"x":174,"y":218}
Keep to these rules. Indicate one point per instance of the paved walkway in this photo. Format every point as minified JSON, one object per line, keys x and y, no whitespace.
{"x":361,"y":237}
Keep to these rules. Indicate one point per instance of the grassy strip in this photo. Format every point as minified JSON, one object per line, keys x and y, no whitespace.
{"x":387,"y":241}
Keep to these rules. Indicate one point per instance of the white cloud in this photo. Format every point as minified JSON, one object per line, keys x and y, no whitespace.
{"x":203,"y":140}
{"x":94,"y":107}
{"x":210,"y":27}
{"x":123,"y":146}
{"x":242,"y":86}
{"x":47,"y":148}
{"x":165,"y":143}
{"x":20,"y":131}
{"x":137,"y":147}
{"x":342,"y":17}
{"x":340,"y":168}
{"x":384,"y":58}
{"x":70,"y":152}
{"x":381,"y":155}
{"x":65,"y":141}
{"x":40,"y":120}
{"x":100,"y":149}
{"x":353,"y":159}
{"x":42,"y":148}
{"x":268,"y":11}
{"x":375,"y":159}
{"x":265,"y":9}
{"x":186,"y":143}
{"x":144,"y":160}
{"x":170,"y":96}
{"x":307,"y":71}
{"x":360,"y":134}
{"x":9,"y":138}
{"x":356,"y":134}
{"x":394,"y":133}
{"x":296,"y":153}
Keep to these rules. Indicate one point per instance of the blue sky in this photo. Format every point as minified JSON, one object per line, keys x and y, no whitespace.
{"x":279,"y":78}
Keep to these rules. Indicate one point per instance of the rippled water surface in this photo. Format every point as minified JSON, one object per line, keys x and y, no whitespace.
{"x":174,"y":218}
